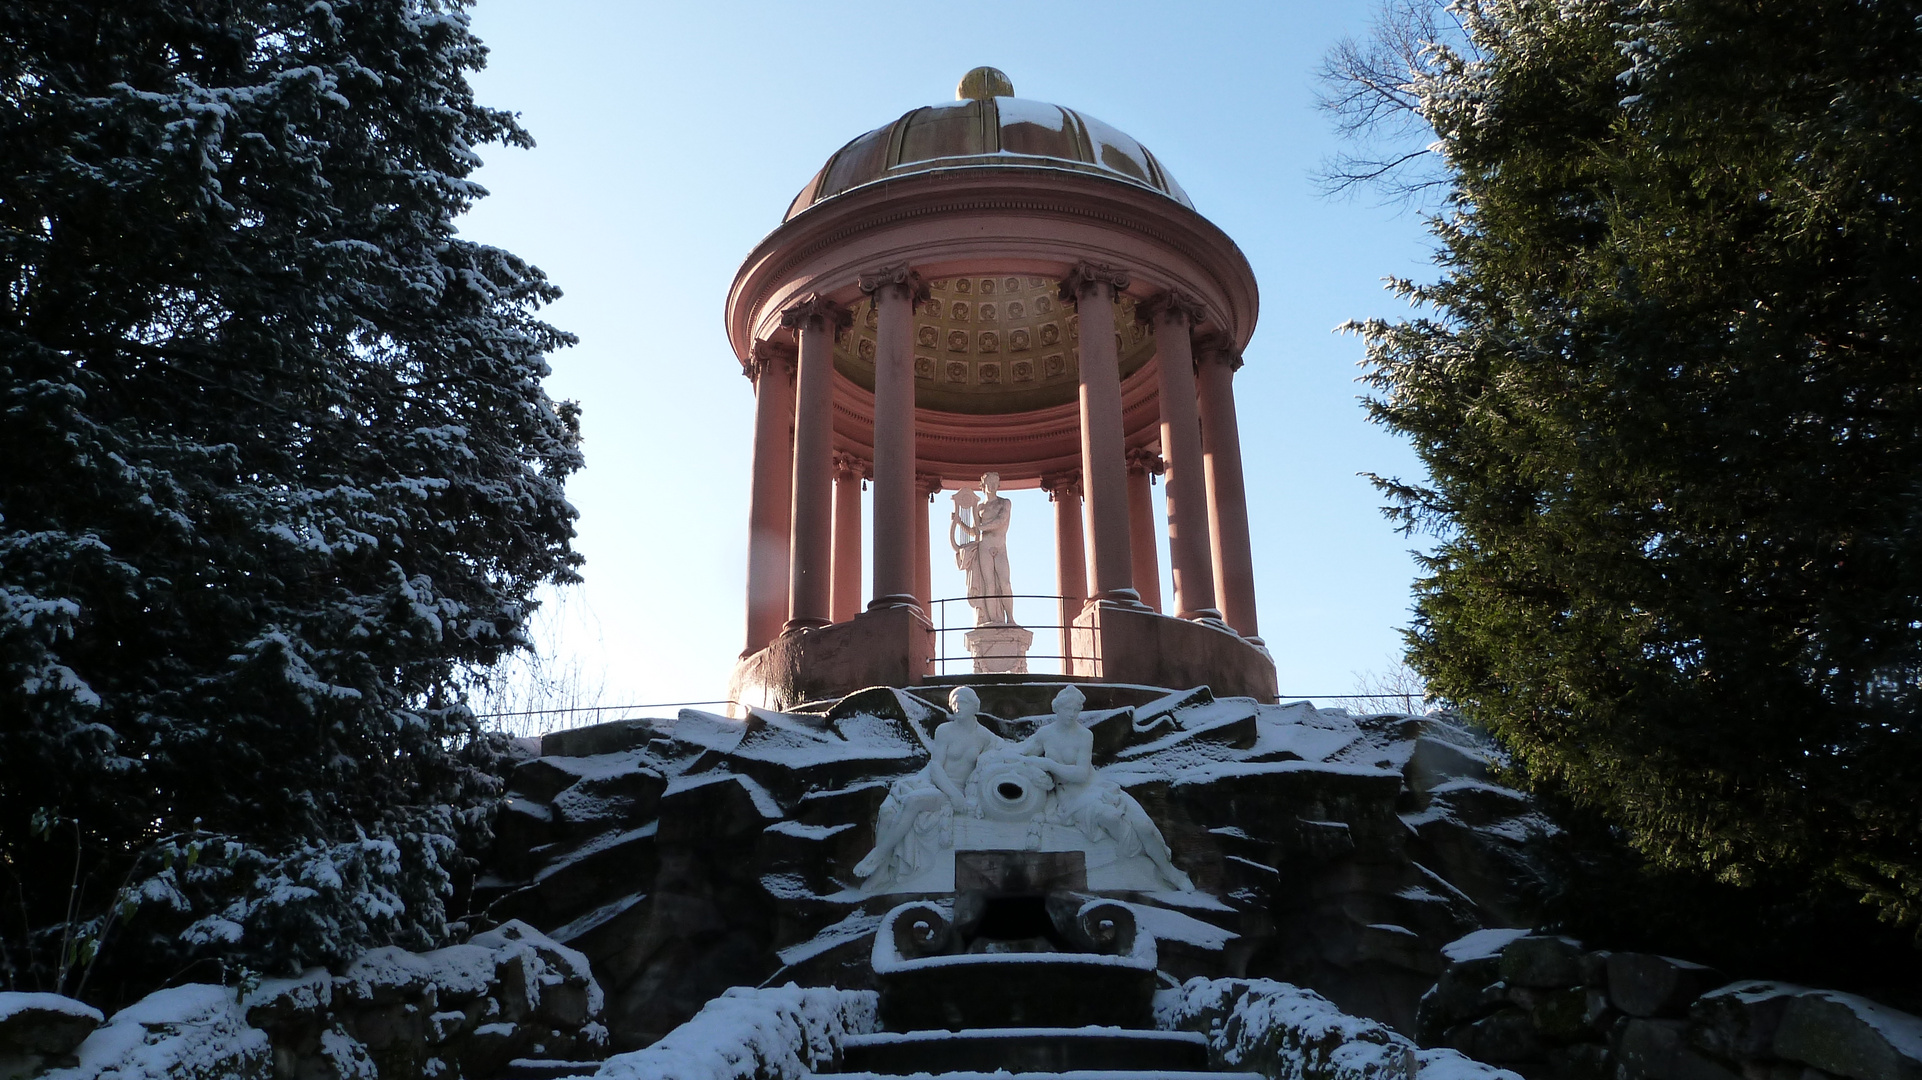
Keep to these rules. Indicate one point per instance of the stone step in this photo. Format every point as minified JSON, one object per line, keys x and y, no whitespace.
{"x":1034,"y":1049}
{"x":1073,"y":1074}
{"x":546,"y":1069}
{"x":1017,"y":990}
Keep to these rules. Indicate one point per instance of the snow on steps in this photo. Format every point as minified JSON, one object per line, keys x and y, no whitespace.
{"x":1284,"y":1032}
{"x":1255,"y":1028}
{"x":1025,"y":1049}
{"x":1078,"y":1074}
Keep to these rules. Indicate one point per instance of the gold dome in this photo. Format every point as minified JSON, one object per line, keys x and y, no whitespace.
{"x":983,"y":83}
{"x":989,"y":128}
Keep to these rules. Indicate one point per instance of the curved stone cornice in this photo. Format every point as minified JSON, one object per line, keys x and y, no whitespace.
{"x":1022,"y":447}
{"x":1037,"y":221}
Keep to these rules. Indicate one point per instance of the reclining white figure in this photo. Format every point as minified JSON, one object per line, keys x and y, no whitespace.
{"x":916,"y":820}
{"x":1095,"y":805}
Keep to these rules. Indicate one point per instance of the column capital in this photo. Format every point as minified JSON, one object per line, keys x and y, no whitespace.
{"x":1217,"y":348}
{"x":927,"y":486}
{"x":1143,"y":460}
{"x":1170,"y":305}
{"x":899,"y":276}
{"x":1062,"y":483}
{"x":849,"y":467}
{"x":768,"y":356}
{"x":1087,"y":275}
{"x":813,"y":307}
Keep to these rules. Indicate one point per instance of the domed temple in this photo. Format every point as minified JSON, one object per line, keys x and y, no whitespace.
{"x":921,"y":318}
{"x":1144,"y":868}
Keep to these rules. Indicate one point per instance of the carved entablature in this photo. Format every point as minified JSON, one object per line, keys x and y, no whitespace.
{"x":1170,"y":306}
{"x":817,"y":310}
{"x":1087,"y":275}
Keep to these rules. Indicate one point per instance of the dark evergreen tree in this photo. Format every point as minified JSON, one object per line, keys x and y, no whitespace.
{"x":277,"y":476}
{"x":1669,"y":400}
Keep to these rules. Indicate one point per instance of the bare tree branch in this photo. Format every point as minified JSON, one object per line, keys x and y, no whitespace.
{"x":1395,"y":687}
{"x":1372,"y":88}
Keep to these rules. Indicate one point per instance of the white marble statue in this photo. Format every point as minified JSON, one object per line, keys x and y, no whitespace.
{"x":915,"y":825}
{"x":1091,"y":803}
{"x":982,"y":793}
{"x":983,"y":556}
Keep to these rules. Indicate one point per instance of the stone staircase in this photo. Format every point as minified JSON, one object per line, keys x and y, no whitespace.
{"x":1082,"y":1053}
{"x":981,"y":997}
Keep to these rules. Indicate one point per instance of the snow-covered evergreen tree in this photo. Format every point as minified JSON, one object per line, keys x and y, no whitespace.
{"x":276,"y":472}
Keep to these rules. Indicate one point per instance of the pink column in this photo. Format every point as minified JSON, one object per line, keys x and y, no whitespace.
{"x":894,"y":289}
{"x":770,"y":492}
{"x":1143,"y":466}
{"x":815,"y":320}
{"x":1190,"y":551}
{"x":1227,"y":494}
{"x":925,"y":488}
{"x":1070,"y":556}
{"x":849,"y":474}
{"x":1104,"y":473}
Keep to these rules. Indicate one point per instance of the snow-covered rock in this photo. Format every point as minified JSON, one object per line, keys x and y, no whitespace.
{"x":191,"y":1032}
{"x":1345,"y":851}
{"x":1840,"y":1034}
{"x":38,"y":1031}
{"x":1543,"y":1003}
{"x":467,"y":1009}
{"x":778,"y":1033}
{"x":1284,"y":1032}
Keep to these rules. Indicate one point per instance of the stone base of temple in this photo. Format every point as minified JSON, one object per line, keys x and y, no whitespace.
{"x":884,"y":647}
{"x":1124,"y":644}
{"x":895,"y":647}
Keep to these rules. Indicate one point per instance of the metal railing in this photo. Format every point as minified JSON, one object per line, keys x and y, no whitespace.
{"x":949,"y":648}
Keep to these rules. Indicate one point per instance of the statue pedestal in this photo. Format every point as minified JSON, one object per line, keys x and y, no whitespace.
{"x":999,"y":650}
{"x":1109,"y":868}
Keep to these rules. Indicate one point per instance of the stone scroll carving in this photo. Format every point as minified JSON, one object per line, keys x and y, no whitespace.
{"x":980,"y":792}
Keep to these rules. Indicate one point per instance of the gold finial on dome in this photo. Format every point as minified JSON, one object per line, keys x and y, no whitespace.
{"x":983,"y":83}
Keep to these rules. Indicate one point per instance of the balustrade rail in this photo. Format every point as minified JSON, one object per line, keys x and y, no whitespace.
{"x":1036,"y":612}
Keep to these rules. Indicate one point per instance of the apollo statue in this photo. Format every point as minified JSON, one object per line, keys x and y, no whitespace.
{"x":983,"y":555}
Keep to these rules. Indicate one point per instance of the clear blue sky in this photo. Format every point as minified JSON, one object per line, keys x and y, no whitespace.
{"x":673,"y":136}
